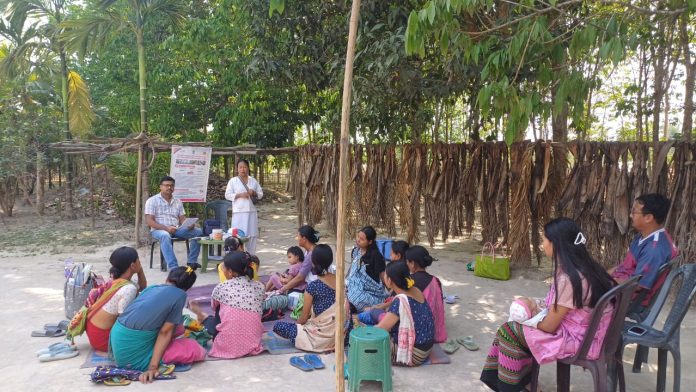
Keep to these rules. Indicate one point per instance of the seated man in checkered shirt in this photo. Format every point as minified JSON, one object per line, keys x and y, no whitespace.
{"x":164,"y":214}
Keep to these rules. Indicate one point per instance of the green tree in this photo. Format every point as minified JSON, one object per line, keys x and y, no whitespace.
{"x":38,"y":52}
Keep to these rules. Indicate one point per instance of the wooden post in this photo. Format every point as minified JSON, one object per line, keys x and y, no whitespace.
{"x":342,"y":193}
{"x":138,"y":193}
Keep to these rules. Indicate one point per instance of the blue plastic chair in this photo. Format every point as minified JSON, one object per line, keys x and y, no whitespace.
{"x":219,"y":208}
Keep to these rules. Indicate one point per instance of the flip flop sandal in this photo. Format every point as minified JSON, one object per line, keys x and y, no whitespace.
{"x":184,"y":367}
{"x":56,"y":356}
{"x":300,"y":363}
{"x":166,"y":370}
{"x":48,"y":333}
{"x":468,"y":343}
{"x":451,"y":299}
{"x":56,"y":347}
{"x":165,"y":377}
{"x":450,"y":346}
{"x":63,"y":324}
{"x":117,"y":382}
{"x":314,"y":361}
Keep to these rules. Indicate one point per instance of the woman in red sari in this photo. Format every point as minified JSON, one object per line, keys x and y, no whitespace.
{"x":122,"y":291}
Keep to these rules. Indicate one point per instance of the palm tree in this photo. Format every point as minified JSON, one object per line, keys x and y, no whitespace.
{"x":33,"y":52}
{"x":94,"y":28}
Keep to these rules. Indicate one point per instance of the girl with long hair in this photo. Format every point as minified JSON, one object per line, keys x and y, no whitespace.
{"x":578,"y":284}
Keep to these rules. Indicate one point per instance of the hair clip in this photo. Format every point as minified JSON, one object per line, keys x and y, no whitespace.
{"x":580,"y":239}
{"x":409,"y":283}
{"x":189,"y":270}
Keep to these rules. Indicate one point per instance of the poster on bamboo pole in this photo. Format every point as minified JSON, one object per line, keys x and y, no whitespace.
{"x":190,"y":167}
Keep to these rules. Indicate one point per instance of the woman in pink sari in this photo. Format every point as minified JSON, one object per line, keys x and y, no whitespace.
{"x":418,"y":259}
{"x":579,"y":282}
{"x":238,"y":305}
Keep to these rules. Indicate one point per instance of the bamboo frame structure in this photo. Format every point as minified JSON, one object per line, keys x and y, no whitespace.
{"x":138,"y":144}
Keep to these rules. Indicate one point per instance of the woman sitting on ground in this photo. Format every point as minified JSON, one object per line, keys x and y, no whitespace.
{"x":418,"y":259}
{"x":398,"y":250}
{"x":316,"y":325}
{"x":143,"y":336}
{"x":579,"y":282}
{"x":364,"y":282}
{"x":238,"y":303}
{"x":409,"y":319}
{"x":107,"y":302}
{"x":307,"y":239}
{"x":372,"y":315}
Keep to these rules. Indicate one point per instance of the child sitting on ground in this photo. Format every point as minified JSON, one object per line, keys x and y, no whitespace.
{"x":295,"y":259}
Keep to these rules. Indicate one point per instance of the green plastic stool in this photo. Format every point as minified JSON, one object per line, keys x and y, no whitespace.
{"x":369,"y":358}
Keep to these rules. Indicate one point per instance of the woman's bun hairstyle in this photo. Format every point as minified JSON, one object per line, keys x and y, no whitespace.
{"x":240,"y":263}
{"x":121,"y":259}
{"x":309,"y":233}
{"x":322,"y":258}
{"x":183,"y":277}
{"x":419,"y":255}
{"x":399,"y":274}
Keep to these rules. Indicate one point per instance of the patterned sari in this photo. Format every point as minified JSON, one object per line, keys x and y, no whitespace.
{"x":509,"y":361}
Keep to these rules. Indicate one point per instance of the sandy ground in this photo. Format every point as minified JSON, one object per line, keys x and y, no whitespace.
{"x":33,"y":250}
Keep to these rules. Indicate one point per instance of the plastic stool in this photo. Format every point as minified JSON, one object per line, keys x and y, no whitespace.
{"x":369,"y":358}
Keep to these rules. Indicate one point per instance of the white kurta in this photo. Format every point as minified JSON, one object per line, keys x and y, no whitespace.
{"x":244,"y":213}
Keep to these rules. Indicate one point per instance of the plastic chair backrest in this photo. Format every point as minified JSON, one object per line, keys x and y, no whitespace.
{"x":220,"y":208}
{"x":620,"y":297}
{"x":635,"y":309}
{"x":681,"y":303}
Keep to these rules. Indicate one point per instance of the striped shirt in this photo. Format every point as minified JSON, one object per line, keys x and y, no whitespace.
{"x":165,"y":213}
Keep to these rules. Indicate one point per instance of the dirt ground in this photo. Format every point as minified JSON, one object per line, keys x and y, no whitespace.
{"x":32,"y":254}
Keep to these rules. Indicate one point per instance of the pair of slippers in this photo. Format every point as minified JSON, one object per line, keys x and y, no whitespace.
{"x":452,"y":345}
{"x":307,"y":362}
{"x":52,"y":330}
{"x":57,"y":351}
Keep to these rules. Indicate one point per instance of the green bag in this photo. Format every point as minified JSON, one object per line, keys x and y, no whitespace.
{"x":298,"y":308}
{"x":492,"y":266}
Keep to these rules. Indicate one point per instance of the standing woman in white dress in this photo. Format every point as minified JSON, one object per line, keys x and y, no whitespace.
{"x":240,"y":190}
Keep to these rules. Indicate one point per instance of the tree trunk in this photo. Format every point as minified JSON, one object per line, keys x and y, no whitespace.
{"x":559,"y":125}
{"x":40,"y":190}
{"x":226,"y":160}
{"x":69,"y":210}
{"x":687,"y":123}
{"x":665,"y":127}
{"x":639,"y":97}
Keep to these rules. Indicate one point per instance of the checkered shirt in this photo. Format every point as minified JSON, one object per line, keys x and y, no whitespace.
{"x":165,"y":213}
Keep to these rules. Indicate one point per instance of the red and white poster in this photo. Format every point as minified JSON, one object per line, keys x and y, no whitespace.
{"x":190,"y":167}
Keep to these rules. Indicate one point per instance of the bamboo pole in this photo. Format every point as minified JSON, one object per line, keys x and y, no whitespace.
{"x":138,"y":193}
{"x":342,"y":193}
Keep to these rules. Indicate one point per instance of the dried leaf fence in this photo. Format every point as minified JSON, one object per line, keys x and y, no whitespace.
{"x":502,"y":194}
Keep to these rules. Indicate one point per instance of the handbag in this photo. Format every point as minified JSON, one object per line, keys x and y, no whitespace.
{"x":492,"y":266}
{"x":254,"y":199}
{"x":76,"y":288}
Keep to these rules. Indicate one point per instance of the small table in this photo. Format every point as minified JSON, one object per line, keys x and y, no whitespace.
{"x":206,"y":256}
